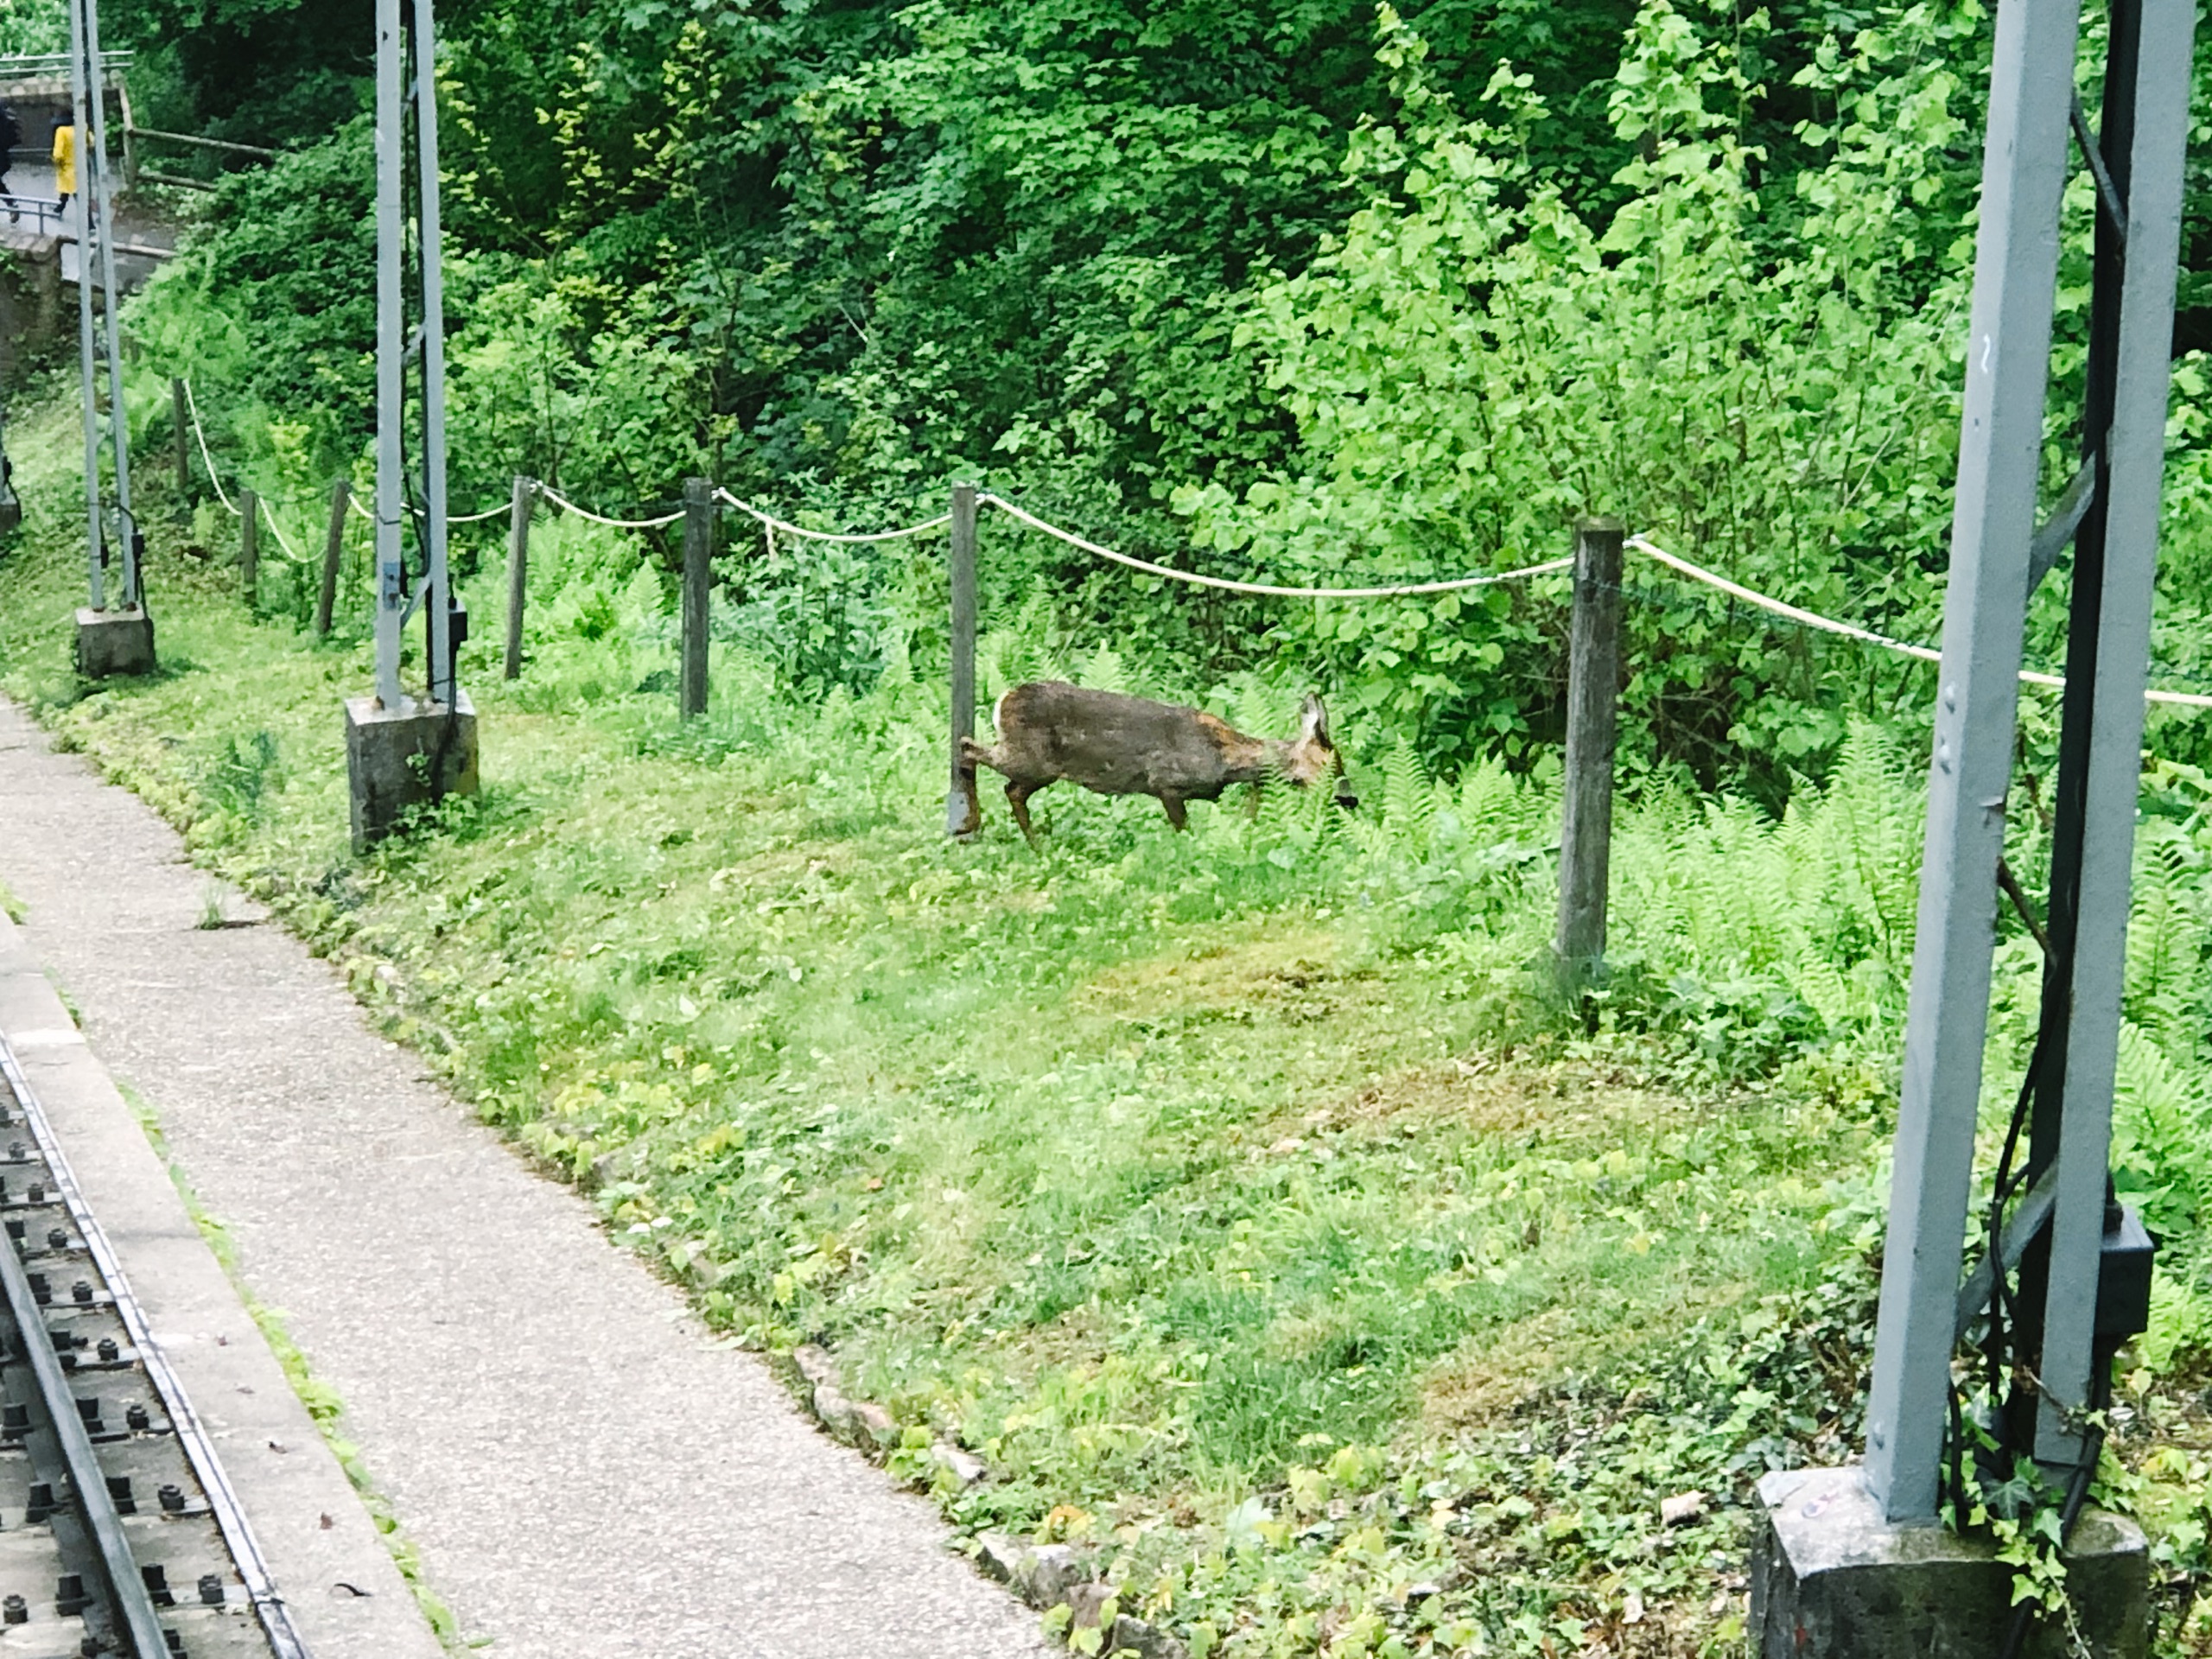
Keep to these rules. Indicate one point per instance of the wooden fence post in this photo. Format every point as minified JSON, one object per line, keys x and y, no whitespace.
{"x":1593,"y":694}
{"x":182,"y":419}
{"x":698,"y":552}
{"x":333,"y":551}
{"x":250,"y":547}
{"x":963,"y":813}
{"x":518,"y":568}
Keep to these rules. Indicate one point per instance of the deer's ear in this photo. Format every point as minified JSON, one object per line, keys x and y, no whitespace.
{"x":1317,"y":719}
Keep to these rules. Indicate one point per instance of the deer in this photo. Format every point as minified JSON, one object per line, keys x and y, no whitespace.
{"x":1112,"y":743}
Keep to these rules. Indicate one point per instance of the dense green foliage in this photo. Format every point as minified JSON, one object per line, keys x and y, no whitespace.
{"x":1313,"y":289}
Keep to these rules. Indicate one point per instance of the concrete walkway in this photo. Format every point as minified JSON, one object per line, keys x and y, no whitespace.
{"x":586,"y":1472}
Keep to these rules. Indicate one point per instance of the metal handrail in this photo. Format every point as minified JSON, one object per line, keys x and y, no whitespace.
{"x":43,"y":207}
{"x":26,"y":64}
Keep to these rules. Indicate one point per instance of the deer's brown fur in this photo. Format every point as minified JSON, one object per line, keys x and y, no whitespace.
{"x":1049,"y":732}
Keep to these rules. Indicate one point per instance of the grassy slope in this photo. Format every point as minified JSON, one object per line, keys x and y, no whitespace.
{"x":1226,"y":1191}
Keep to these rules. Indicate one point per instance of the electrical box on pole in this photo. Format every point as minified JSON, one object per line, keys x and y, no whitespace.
{"x":402,"y":751}
{"x":2002,"y":1372}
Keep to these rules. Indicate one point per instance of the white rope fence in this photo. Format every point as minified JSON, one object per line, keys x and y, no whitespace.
{"x":561,"y":500}
{"x":200,"y":432}
{"x":1403,"y":591}
{"x":1864,"y":636}
{"x":774,"y":524}
{"x":269,"y":516}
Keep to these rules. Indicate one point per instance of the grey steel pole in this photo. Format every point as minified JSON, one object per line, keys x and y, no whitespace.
{"x":102,"y":194}
{"x":435,"y":592}
{"x":84,"y":365}
{"x":391,"y":566}
{"x":962,"y":815}
{"x":2135,"y":458}
{"x":2008,"y":347}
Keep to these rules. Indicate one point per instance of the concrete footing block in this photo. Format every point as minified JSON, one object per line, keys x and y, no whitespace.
{"x":114,"y":642}
{"x":1831,"y":1578}
{"x":397,"y":759}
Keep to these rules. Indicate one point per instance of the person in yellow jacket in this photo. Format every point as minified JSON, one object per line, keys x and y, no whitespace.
{"x":65,"y":162}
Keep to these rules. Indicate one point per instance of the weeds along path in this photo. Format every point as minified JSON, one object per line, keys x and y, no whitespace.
{"x":1224,"y":1192}
{"x":585,"y":1471}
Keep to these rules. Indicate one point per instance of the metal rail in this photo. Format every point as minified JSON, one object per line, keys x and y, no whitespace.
{"x":57,"y":1404}
{"x":224,"y":144}
{"x":42,"y":208}
{"x":191,"y":1433}
{"x":129,"y":1581}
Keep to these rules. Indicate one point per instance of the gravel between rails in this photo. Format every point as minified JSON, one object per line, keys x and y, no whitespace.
{"x":586,"y":1471}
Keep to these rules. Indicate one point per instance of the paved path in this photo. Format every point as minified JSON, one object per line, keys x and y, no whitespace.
{"x":586,"y":1472}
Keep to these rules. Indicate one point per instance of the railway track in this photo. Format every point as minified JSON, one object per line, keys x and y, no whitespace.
{"x":118,"y":1533}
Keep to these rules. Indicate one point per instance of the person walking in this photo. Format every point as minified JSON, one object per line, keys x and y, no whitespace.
{"x":12,"y":134}
{"x":65,"y":163}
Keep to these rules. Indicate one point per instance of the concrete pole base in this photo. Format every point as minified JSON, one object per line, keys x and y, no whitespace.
{"x":399,"y":759}
{"x":1831,"y":1578}
{"x":114,"y":642}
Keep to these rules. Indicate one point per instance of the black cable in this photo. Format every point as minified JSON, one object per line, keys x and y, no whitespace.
{"x":2077,"y":1492}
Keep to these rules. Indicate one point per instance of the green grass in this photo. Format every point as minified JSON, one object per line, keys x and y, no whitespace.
{"x":1237,"y":1195}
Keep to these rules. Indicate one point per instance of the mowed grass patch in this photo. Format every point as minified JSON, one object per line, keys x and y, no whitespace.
{"x":1174,"y":1174}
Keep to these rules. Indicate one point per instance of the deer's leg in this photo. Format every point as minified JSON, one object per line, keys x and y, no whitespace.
{"x":1017,"y":797}
{"x":1174,"y":805}
{"x":1253,"y":792}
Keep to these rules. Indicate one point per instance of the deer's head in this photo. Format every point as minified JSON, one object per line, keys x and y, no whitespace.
{"x":1310,"y":758}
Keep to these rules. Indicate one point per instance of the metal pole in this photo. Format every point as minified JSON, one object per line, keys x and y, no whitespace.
{"x":698,"y":554}
{"x":1593,"y":694}
{"x":2024,"y":173}
{"x":518,"y":569}
{"x":102,"y":195}
{"x":390,"y":322}
{"x":249,"y":546}
{"x":85,"y":364}
{"x":437,"y":594}
{"x":2146,"y":124}
{"x":963,"y":816}
{"x":333,"y":553}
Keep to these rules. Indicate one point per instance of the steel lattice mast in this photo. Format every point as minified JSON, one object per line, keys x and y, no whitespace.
{"x":2051,"y":1218}
{"x":405,"y":77}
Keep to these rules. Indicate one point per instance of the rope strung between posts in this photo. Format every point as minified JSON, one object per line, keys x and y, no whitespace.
{"x":771,"y":524}
{"x":1406,"y":591}
{"x":355,"y":504}
{"x":1866,"y":636}
{"x":200,"y":432}
{"x":283,"y":540}
{"x":1778,"y":607}
{"x":561,"y":500}
{"x":774,"y":524}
